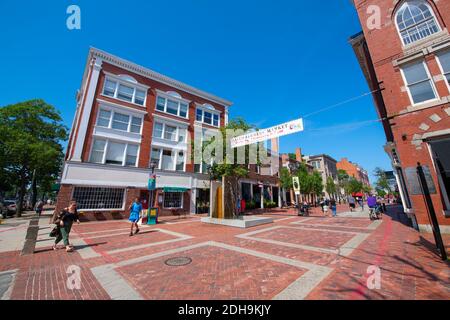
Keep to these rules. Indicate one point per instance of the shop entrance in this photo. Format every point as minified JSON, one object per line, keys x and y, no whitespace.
{"x":202,"y":201}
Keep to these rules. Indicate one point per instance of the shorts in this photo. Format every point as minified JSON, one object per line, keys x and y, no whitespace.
{"x":134,"y":217}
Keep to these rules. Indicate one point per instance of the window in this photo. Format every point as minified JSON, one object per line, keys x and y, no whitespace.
{"x":441,"y":156}
{"x":181,"y":135}
{"x":173,"y":200}
{"x":444,"y":61}
{"x":132,"y":152}
{"x":180,"y":161}
{"x":167,"y":160}
{"x":98,"y":149}
{"x":120,"y":121}
{"x":114,"y":154}
{"x":171,"y":106}
{"x":419,"y":83}
{"x":170,"y":133}
{"x":90,"y":198}
{"x":109,"y":152}
{"x":415,"y":21}
{"x":199,"y":115}
{"x":158,"y":130}
{"x":122,"y":91}
{"x":136,"y":124}
{"x":156,"y":157}
{"x":207,"y":117}
{"x":104,"y":118}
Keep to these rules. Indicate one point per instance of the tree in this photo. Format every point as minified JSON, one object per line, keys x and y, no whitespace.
{"x":382,"y":180}
{"x":331,"y":187}
{"x":316,"y":183}
{"x":232,"y":172}
{"x":353,"y":186}
{"x":31,"y":133}
{"x":285,"y":178}
{"x":343,"y":178}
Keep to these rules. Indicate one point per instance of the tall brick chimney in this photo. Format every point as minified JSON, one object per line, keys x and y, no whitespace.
{"x":298,"y":154}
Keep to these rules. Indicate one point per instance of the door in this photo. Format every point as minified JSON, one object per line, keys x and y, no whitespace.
{"x":440,"y":149}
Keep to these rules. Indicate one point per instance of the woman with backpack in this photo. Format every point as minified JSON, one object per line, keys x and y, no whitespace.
{"x":64,"y":222}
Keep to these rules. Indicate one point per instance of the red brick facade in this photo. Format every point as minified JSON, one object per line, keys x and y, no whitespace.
{"x":408,"y":122}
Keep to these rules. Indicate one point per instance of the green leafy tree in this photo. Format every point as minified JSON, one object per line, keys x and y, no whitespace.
{"x":331,"y":187}
{"x":316,"y":183}
{"x":31,"y":133}
{"x":382,"y":182}
{"x":353,"y":185}
{"x":285,"y":178}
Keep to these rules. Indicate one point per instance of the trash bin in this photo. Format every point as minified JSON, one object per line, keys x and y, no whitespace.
{"x":152,"y":216}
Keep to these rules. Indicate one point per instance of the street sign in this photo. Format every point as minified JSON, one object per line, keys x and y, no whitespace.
{"x":296,"y":185}
{"x":268,"y":134}
{"x":152,"y":182}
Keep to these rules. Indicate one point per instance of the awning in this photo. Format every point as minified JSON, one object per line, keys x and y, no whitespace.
{"x":175,"y":189}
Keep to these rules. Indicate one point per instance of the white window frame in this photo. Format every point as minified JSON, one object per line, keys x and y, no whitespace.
{"x":441,"y":68}
{"x":123,"y":80}
{"x":213,"y":112}
{"x":182,"y":201}
{"x":430,"y":78}
{"x":177,"y":131}
{"x":410,"y":27}
{"x":107,"y":141}
{"x":174,"y":157}
{"x":166,"y":96}
{"x":113,"y":111}
{"x":111,"y":209}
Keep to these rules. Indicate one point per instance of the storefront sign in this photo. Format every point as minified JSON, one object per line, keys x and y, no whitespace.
{"x":268,"y":134}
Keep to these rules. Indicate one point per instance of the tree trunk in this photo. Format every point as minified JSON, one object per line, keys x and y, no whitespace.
{"x":19,"y":206}
{"x":34,"y":190}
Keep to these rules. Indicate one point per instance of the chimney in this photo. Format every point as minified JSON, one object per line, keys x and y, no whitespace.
{"x":298,"y":154}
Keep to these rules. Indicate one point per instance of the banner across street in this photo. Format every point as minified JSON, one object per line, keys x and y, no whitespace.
{"x":267,"y":134}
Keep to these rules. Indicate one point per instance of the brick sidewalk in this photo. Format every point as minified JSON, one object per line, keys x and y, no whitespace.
{"x":293,"y":258}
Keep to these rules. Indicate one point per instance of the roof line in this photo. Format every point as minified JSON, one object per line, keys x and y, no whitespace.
{"x":133,"y":67}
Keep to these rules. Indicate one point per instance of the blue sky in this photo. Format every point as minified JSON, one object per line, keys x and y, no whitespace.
{"x":276,"y":60}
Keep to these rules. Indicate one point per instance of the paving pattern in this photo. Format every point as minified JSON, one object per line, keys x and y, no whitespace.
{"x":295,"y":257}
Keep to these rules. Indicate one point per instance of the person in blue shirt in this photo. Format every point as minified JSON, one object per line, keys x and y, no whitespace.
{"x":135,"y":214}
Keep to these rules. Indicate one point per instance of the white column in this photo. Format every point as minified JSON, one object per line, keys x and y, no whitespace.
{"x":86,"y":109}
{"x":262,"y":197}
{"x":193,"y":200}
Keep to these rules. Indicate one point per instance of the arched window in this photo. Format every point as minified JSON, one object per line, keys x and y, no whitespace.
{"x":415,"y":21}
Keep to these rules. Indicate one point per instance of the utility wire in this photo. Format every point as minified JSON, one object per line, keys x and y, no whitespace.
{"x":341,"y":103}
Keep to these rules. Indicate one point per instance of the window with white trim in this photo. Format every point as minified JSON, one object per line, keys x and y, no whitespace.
{"x":419,"y":83}
{"x":105,"y":151}
{"x":124,"y":91}
{"x":173,"y":200}
{"x":119,"y":121}
{"x":168,"y":159}
{"x":415,"y":21}
{"x":169,"y":132}
{"x":172,"y":106}
{"x":208,"y":117}
{"x":93,"y":198}
{"x":444,"y":61}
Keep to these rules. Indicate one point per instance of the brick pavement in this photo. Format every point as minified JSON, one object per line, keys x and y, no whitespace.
{"x":293,"y":258}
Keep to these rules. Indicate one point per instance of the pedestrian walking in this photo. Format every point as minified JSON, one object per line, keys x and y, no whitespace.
{"x":351,"y":203}
{"x":360,"y":202}
{"x":64,"y":222}
{"x":333,"y":207}
{"x":326,"y":206}
{"x":322,"y":204}
{"x":38,"y":207}
{"x":135,"y":214}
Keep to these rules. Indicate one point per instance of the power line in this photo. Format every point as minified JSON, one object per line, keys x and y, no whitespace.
{"x":341,"y":103}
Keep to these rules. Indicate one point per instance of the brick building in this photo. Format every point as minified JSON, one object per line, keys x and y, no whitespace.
{"x":354,"y":170}
{"x":127,"y":117}
{"x":406,"y":61}
{"x":326,"y":166}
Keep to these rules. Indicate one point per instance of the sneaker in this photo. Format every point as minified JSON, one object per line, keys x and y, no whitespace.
{"x":131,"y":234}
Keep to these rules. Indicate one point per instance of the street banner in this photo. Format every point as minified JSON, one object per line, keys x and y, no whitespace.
{"x":296,"y":185}
{"x":268,"y":134}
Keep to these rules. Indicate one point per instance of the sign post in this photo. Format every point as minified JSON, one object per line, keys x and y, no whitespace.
{"x":296,"y":185}
{"x":152,"y":214}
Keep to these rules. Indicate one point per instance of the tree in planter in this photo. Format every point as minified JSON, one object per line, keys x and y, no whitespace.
{"x":225,"y":166}
{"x":31,"y":152}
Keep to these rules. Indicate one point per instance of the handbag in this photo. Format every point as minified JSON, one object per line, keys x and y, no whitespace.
{"x":55,"y":232}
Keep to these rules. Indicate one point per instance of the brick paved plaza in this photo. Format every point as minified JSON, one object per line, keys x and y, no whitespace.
{"x":312,"y":257}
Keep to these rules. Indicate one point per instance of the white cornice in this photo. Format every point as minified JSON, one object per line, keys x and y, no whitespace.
{"x":130,"y":66}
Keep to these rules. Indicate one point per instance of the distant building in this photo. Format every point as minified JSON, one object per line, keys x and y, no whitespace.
{"x":354,"y":170}
{"x":326,"y":166}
